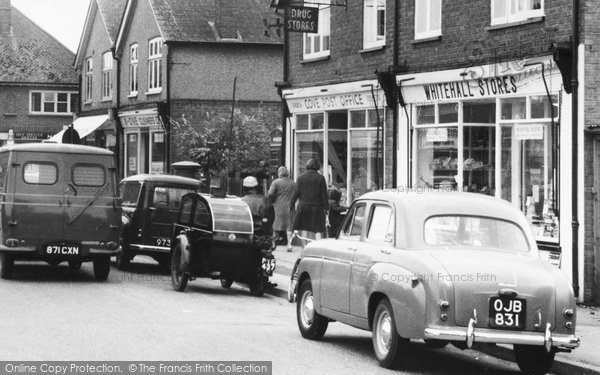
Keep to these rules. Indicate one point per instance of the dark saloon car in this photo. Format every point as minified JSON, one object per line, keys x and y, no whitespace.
{"x":457,"y":268}
{"x":150,"y":205}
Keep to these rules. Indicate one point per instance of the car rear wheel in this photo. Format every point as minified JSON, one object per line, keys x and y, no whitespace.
{"x":179,"y":279}
{"x":8,"y":264}
{"x":101,"y":268}
{"x":312,"y":325}
{"x":226,"y":283}
{"x":390,"y":348}
{"x":533,"y":360}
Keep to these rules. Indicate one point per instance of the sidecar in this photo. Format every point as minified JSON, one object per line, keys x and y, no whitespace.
{"x":218,"y":238}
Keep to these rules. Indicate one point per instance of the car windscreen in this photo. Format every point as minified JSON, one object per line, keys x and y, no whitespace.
{"x":231,"y":215}
{"x":473,"y":231}
{"x":129,"y":192}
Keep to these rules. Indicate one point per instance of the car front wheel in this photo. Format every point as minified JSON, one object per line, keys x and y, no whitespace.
{"x":533,"y":360}
{"x":390,"y":348}
{"x":8,"y":264}
{"x":101,"y":268}
{"x":312,"y":325}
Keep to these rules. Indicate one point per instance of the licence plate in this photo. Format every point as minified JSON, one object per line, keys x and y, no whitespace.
{"x":268,"y":265}
{"x":164,"y":242}
{"x":507,"y":312}
{"x":62,"y":249}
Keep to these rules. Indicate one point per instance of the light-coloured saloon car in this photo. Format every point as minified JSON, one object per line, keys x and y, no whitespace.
{"x":443,"y":267}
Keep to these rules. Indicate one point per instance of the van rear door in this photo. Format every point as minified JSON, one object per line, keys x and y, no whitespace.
{"x":92,"y":214}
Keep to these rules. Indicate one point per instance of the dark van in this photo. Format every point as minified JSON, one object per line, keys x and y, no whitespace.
{"x":58,"y":203}
{"x":150,"y":207}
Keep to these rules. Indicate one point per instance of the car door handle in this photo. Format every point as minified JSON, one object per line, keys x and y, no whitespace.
{"x":385,"y":251}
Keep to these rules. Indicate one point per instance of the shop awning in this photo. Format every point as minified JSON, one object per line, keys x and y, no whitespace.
{"x":83,"y":125}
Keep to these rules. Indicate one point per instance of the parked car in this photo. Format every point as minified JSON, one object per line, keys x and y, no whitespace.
{"x":219,"y":238}
{"x":150,"y":207}
{"x":443,"y":267}
{"x":59,"y":203}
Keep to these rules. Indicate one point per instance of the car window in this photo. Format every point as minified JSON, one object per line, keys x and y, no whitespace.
{"x":186,"y":211}
{"x":40,"y":173}
{"x":202,"y":216}
{"x":129,"y":193}
{"x":88,"y":175}
{"x":381,"y":225}
{"x":461,"y":231}
{"x":3,"y":170}
{"x":168,"y":196}
{"x":355,"y":221}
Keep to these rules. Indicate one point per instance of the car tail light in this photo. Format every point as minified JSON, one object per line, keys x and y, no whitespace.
{"x":12,"y":242}
{"x":568,"y":313}
{"x":444,"y":305}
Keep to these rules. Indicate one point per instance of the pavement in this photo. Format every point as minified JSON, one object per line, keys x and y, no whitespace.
{"x":583,"y":360}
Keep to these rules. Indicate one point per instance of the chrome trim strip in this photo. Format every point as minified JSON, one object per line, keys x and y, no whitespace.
{"x":497,"y":337}
{"x":161,"y":249}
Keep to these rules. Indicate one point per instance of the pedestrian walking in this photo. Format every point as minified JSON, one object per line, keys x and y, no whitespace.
{"x":311,"y":194}
{"x":335,"y":211}
{"x":260,"y":206}
{"x":281,"y":192}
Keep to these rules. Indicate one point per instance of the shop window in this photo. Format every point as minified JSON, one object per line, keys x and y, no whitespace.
{"x":541,"y":107}
{"x":513,"y":109}
{"x":301,"y":122}
{"x":428,"y":18}
{"x":479,"y":152}
{"x":309,"y":145}
{"x":373,"y":23}
{"x":158,"y":152}
{"x":338,"y":120}
{"x":337,"y":139}
{"x":357,"y":119}
{"x":132,"y":154}
{"x":504,"y":11}
{"x":437,"y":157}
{"x":426,"y":114}
{"x":316,"y":121}
{"x":448,"y":113}
{"x":317,"y":44}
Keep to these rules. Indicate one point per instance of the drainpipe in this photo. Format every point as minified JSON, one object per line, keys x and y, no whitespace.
{"x":115,"y":115}
{"x":574,"y":150}
{"x":167,"y":125}
{"x":395,"y":109}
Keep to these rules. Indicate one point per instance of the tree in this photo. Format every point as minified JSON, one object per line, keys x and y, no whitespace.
{"x":218,"y":146}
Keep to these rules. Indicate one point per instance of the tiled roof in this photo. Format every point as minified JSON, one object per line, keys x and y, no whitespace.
{"x":32,"y":55}
{"x":112,"y":11}
{"x":190,"y":20}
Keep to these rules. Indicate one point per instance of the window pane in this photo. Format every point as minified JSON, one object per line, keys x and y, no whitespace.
{"x":88,"y":175}
{"x":479,"y":112}
{"x":129,"y":194}
{"x":316,"y":120}
{"x":541,"y":108}
{"x":357,"y":119}
{"x":301,"y":122}
{"x":437,"y":157}
{"x":39,"y":173}
{"x":379,"y":228}
{"x":381,"y":22}
{"x":36,"y":102}
{"x":420,"y":16}
{"x":372,"y":118}
{"x":201,"y":216}
{"x":513,"y":109}
{"x":426,"y":114}
{"x":358,"y":221}
{"x":436,"y":15}
{"x":448,"y":113}
{"x":367,"y":168}
{"x":308,"y":145}
{"x":337,"y":120}
{"x":479,"y":163}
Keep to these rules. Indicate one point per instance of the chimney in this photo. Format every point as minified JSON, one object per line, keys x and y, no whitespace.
{"x":5,"y":18}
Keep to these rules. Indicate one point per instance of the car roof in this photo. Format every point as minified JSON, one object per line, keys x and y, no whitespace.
{"x":162,"y":178}
{"x":56,"y":148}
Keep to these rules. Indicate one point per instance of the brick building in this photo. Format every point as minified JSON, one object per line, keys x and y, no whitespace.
{"x":480,"y":105}
{"x":177,"y":61}
{"x":38,"y":85}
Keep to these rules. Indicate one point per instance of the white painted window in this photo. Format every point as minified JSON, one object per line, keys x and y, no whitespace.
{"x":374,"y":23}
{"x":52,"y":102}
{"x":317,"y":44}
{"x":133,"y":70}
{"x":89,"y":79}
{"x":428,"y":18}
{"x":107,"y":65}
{"x":154,"y":65}
{"x":509,"y":11}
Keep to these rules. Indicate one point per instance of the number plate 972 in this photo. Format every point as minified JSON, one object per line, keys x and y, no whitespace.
{"x":507,"y":312}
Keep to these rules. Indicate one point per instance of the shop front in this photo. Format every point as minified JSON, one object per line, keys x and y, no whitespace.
{"x":495,"y":130}
{"x":344,"y":125}
{"x":144,"y":138}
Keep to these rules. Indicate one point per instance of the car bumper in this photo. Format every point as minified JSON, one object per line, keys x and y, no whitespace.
{"x":471,"y":336}
{"x":91,"y":251}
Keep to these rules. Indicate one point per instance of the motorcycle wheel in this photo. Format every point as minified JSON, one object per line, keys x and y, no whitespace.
{"x":179,"y":279}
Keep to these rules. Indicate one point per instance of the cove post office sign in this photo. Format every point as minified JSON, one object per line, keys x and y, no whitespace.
{"x":302,"y":19}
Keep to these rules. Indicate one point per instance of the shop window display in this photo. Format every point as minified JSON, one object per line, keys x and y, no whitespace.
{"x":437,"y":157}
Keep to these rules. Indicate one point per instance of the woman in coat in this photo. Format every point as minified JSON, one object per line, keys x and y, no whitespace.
{"x":311,"y":194}
{"x":281,"y":192}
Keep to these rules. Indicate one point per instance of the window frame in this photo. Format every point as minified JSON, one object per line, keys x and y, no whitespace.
{"x":89,"y":79}
{"x":107,"y":66}
{"x":133,"y":69}
{"x":55,"y":94}
{"x":77,"y":166}
{"x":429,"y":33}
{"x":324,"y":34}
{"x":40,"y":163}
{"x":155,"y":46}
{"x":514,"y":16}
{"x":391,"y":222}
{"x":372,"y":37}
{"x":350,"y":220}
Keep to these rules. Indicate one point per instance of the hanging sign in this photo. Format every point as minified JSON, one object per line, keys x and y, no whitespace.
{"x":302,"y":19}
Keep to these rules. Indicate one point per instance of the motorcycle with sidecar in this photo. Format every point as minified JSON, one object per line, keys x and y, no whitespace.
{"x":218,"y":238}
